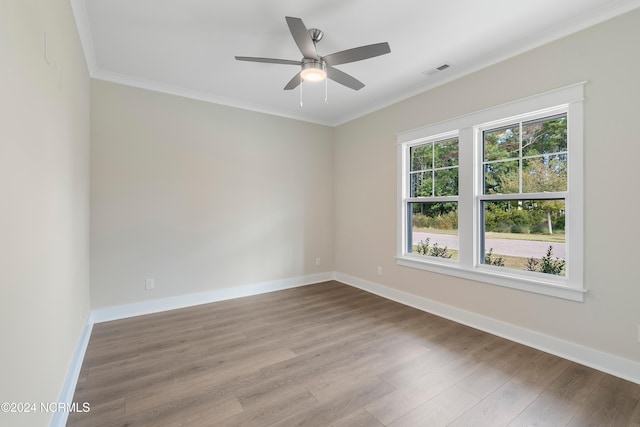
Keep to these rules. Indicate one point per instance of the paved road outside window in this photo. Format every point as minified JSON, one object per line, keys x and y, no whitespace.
{"x":521,"y":248}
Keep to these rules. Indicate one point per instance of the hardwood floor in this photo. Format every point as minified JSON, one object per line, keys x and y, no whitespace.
{"x":330,"y":354}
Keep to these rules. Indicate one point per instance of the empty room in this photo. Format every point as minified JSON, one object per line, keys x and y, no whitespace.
{"x":319,"y":213}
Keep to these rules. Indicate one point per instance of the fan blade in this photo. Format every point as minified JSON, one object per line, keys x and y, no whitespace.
{"x":357,"y":54}
{"x":268,"y":60}
{"x":293,"y":83}
{"x":302,"y":37}
{"x":344,"y":78}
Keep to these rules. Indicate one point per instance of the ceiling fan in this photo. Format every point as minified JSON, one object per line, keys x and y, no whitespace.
{"x":314,"y":67}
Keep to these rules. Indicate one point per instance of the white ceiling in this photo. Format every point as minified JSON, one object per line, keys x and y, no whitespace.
{"x":187,"y":47}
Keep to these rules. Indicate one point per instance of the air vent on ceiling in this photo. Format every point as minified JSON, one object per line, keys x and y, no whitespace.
{"x":437,"y":69}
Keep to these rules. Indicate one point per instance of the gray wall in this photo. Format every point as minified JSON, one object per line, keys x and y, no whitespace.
{"x":202,"y":197}
{"x":44,"y":202}
{"x":607,"y":56}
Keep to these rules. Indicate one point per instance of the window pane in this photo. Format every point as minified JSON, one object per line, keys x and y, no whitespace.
{"x":503,"y":143}
{"x":502,"y":177}
{"x":525,"y":235}
{"x":544,"y":136}
{"x":544,"y":173}
{"x":446,"y":153}
{"x":424,"y":169}
{"x":421,"y":157}
{"x":446,"y":182}
{"x":433,"y":229}
{"x":421,"y":184}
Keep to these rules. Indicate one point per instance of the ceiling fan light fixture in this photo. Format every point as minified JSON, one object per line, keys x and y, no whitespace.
{"x":313,"y":70}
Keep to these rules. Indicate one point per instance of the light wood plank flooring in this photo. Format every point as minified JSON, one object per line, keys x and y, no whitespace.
{"x":332,"y":355}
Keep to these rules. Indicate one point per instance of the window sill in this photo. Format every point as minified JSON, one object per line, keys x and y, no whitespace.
{"x":495,"y":276}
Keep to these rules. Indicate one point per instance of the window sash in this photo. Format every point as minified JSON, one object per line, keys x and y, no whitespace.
{"x":482,"y":238}
{"x":410,"y":242}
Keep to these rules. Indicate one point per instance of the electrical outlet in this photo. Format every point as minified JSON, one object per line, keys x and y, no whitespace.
{"x":318,"y":261}
{"x":149,"y":284}
{"x":379,"y":271}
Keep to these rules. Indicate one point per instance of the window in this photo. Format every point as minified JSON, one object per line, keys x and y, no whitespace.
{"x":524,"y":174}
{"x":496,"y":195}
{"x":433,"y":197}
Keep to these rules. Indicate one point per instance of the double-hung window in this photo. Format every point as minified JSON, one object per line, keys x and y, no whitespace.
{"x":496,"y":196}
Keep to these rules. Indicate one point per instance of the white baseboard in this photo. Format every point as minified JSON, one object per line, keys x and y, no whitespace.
{"x":605,"y":362}
{"x":59,"y":418}
{"x":188,"y":300}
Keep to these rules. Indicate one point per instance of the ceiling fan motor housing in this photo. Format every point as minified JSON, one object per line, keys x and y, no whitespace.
{"x":313,"y":69}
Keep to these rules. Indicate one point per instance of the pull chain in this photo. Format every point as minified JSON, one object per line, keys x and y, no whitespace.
{"x":301,"y":84}
{"x":326,"y":90}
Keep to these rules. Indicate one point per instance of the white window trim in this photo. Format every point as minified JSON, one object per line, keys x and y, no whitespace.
{"x":571,"y":286}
